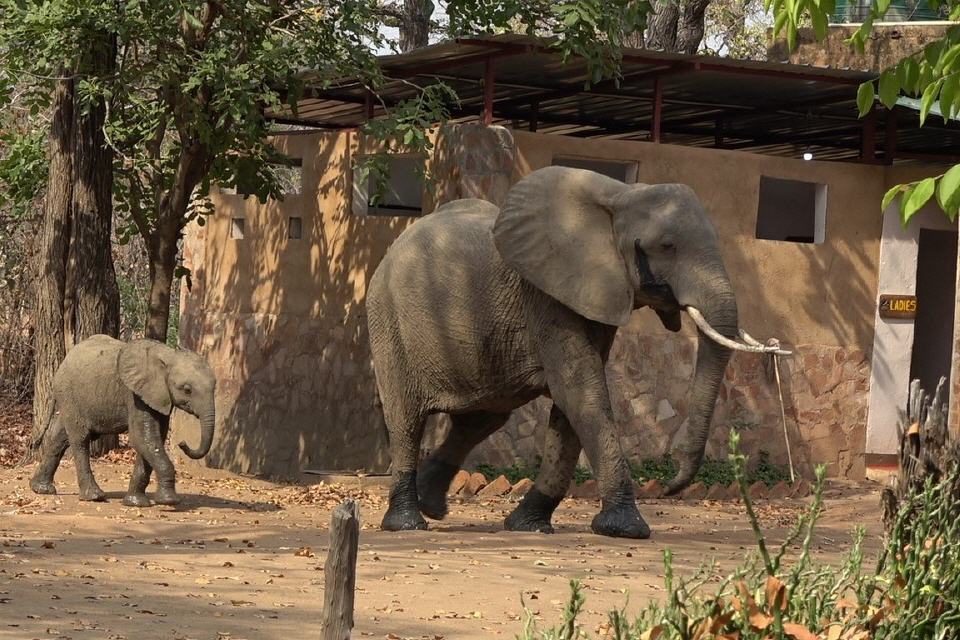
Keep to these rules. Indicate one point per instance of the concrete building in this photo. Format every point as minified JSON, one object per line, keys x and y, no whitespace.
{"x":277,"y":301}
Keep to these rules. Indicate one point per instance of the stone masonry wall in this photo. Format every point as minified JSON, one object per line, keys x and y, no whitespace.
{"x":824,"y":392}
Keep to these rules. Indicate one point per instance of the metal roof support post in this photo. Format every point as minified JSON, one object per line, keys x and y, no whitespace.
{"x":890,"y":137}
{"x":487,"y":117}
{"x":868,"y":137}
{"x":534,"y":115}
{"x":657,"y":109}
{"x":368,"y":104}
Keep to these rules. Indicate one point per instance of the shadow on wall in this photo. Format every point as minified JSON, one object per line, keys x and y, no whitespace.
{"x":282,"y":321}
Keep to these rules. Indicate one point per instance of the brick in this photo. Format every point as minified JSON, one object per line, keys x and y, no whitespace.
{"x":758,"y":490}
{"x":800,"y":489}
{"x":476,"y":482}
{"x":650,"y":489}
{"x":588,"y":490}
{"x":459,"y":482}
{"x":696,"y":491}
{"x":779,"y":491}
{"x":521,"y":488}
{"x":498,"y":487}
{"x":717,"y":492}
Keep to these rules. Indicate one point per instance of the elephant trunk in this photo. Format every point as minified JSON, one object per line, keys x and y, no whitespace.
{"x":719,"y":309}
{"x":207,"y":421}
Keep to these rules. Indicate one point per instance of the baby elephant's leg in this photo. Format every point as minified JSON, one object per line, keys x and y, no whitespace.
{"x":147,"y":434}
{"x":139,"y":479}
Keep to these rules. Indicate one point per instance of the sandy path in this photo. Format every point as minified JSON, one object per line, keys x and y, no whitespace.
{"x":242,"y":559}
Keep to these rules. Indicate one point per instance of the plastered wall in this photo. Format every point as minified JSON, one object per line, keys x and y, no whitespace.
{"x":283,"y":324}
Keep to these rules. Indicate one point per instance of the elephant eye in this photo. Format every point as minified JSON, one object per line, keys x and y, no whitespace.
{"x":187,"y":389}
{"x":667,"y":246}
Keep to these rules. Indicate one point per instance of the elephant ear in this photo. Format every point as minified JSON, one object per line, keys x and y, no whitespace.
{"x":142,"y":366}
{"x":555,"y":229}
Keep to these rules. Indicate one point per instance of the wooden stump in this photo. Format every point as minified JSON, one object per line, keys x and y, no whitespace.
{"x":927,"y":449}
{"x":340,"y":572}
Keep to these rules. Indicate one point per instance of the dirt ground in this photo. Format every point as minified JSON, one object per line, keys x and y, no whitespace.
{"x":243,"y":559}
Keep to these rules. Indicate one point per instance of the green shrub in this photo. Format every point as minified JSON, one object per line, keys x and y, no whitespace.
{"x":913,"y":593}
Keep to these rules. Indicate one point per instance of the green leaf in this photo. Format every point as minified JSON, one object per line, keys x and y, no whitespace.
{"x":948,"y":191}
{"x":819,"y":20}
{"x":918,"y":196}
{"x":929,"y":97}
{"x":779,"y":23}
{"x":792,"y":36}
{"x":889,"y":196}
{"x":192,"y":20}
{"x":865,"y":96}
{"x":889,"y":88}
{"x":882,"y":6}
{"x":911,"y":75}
{"x":931,"y":52}
{"x":949,"y":93}
{"x":948,"y":58}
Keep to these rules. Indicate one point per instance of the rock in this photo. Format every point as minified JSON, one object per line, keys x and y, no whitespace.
{"x":499,"y":487}
{"x":800,"y":489}
{"x":588,"y":490}
{"x":521,"y":488}
{"x":732,"y":492}
{"x":717,"y":492}
{"x":779,"y":491}
{"x":650,"y":489}
{"x":758,"y":490}
{"x":696,"y":491}
{"x":665,"y":411}
{"x":476,"y":482}
{"x":459,"y":482}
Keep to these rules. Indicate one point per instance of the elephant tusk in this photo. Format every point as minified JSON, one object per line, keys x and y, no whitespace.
{"x":749,"y":344}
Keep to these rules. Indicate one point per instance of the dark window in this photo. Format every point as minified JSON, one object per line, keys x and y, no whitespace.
{"x":791,"y":210}
{"x":622,"y":170}
{"x":236,"y":228}
{"x":295,"y":228}
{"x":401,"y":193}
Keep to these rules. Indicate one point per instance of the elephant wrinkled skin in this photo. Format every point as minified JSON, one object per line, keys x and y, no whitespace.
{"x":108,"y":386}
{"x":475,"y":311}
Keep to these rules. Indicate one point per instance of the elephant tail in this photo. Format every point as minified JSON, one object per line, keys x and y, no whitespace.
{"x":38,"y":437}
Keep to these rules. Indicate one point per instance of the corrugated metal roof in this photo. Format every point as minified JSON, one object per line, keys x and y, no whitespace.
{"x":707,"y":101}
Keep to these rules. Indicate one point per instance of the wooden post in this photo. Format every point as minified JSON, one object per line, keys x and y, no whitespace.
{"x":657,"y":109}
{"x":368,"y":105}
{"x":868,"y":137}
{"x":534,"y":115}
{"x":340,"y":573}
{"x":890,"y":139}
{"x":487,"y":117}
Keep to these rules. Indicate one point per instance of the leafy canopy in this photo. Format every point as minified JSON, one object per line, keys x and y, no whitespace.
{"x":931,"y":75}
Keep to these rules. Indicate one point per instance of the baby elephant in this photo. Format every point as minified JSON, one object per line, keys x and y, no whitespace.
{"x":108,"y":386}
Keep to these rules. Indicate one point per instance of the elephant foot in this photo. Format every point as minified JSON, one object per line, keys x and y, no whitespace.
{"x":433,"y":480}
{"x":619,"y":517}
{"x":43,"y":487}
{"x":136,"y":500}
{"x":92,"y":494}
{"x":167,"y":496}
{"x":533,"y":513}
{"x":404,"y":512}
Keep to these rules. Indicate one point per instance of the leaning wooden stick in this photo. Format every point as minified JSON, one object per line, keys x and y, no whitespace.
{"x":340,"y":572}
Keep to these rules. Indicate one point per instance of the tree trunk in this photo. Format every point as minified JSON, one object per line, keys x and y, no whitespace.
{"x":662,"y":26}
{"x":691,"y":26}
{"x":49,"y":345}
{"x":677,"y":26}
{"x":95,"y":297}
{"x":415,"y":24}
{"x":163,"y":262}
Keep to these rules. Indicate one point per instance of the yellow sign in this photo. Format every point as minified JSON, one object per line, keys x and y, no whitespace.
{"x":894,"y":306}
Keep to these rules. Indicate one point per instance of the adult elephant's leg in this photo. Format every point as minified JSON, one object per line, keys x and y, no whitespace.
{"x":574,"y":367}
{"x":433,"y":479}
{"x":405,"y":425}
{"x":561,"y":449}
{"x":147,"y":430}
{"x":54,"y":445}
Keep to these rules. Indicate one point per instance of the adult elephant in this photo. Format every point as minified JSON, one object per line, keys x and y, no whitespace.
{"x":108,"y":386}
{"x":475,"y":311}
